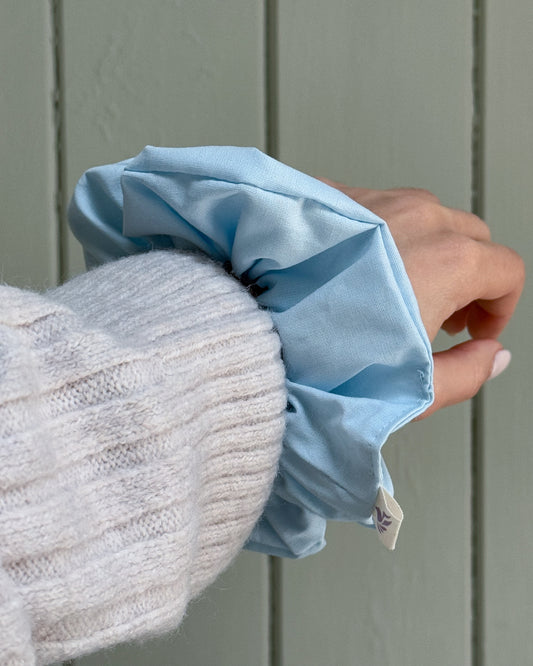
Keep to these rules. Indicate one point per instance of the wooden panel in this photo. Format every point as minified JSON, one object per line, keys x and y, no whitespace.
{"x":171,"y":73}
{"x":508,"y":424}
{"x":28,"y":241}
{"x":165,"y":73}
{"x":379,"y":94}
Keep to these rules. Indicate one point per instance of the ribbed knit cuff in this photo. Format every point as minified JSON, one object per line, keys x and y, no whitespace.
{"x":141,"y":419}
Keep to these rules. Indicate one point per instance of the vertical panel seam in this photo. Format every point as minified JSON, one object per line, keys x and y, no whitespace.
{"x":478,"y":72}
{"x":272,"y":148}
{"x":271,"y":78}
{"x":275,"y":615}
{"x":56,"y":8}
{"x":58,"y":116}
{"x":477,"y":431}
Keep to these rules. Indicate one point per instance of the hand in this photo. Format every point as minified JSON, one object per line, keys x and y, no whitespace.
{"x":460,"y":278}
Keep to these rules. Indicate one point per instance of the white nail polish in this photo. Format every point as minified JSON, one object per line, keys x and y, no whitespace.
{"x":501,"y":361}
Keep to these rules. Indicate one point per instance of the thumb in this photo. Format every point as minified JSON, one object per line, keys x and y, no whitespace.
{"x":461,"y":371}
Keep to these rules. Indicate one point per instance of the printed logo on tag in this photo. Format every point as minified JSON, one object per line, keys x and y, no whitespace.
{"x":387,"y":516}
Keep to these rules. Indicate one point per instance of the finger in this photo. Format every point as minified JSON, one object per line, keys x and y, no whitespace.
{"x":449,"y":272}
{"x":461,"y":371}
{"x":468,"y":224}
{"x":428,"y":215}
{"x":457,"y":322}
{"x":415,"y":192}
{"x":481,"y":323}
{"x":497,"y":283}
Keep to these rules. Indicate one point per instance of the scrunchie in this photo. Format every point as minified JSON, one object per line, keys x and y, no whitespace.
{"x":358,"y":360}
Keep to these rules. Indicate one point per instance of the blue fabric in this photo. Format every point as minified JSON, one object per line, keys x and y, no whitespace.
{"x":357,"y":357}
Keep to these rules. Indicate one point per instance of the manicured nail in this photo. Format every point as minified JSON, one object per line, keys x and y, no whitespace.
{"x":501,"y":361}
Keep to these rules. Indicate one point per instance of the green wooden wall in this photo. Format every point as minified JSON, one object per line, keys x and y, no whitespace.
{"x":422,"y":93}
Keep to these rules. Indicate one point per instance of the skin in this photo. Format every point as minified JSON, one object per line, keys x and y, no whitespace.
{"x":461,"y":279}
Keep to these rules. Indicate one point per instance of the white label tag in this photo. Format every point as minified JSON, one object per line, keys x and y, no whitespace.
{"x":387,"y":516}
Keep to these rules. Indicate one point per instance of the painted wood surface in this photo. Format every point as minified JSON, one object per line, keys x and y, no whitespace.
{"x":373,"y":94}
{"x":164,"y":73}
{"x":379,"y":95}
{"x":171,"y":73}
{"x":508,"y":423}
{"x":28,"y":228}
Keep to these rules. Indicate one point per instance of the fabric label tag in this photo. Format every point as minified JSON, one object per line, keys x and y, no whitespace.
{"x":387,"y":516}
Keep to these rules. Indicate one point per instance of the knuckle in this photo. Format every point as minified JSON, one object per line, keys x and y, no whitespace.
{"x":422,"y":210}
{"x":520,"y":268}
{"x":420,"y":193}
{"x":484,"y":229}
{"x":432,"y":210}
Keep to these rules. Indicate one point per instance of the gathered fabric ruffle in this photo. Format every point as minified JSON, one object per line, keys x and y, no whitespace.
{"x":358,"y":361}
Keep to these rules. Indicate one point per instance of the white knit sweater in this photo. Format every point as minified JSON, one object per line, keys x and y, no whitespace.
{"x":141,"y":418}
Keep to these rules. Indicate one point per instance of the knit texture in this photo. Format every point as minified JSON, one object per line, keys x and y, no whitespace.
{"x":141,"y":419}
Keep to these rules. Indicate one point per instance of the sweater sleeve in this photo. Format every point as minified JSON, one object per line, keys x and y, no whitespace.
{"x":141,"y":418}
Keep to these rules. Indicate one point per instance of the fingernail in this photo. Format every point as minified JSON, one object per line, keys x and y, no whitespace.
{"x":501,"y":361}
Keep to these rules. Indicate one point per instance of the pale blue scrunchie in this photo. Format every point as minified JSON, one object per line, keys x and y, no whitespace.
{"x":358,"y":360}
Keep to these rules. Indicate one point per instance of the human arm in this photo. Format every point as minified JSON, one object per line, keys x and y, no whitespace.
{"x":358,"y":358}
{"x":141,"y":416}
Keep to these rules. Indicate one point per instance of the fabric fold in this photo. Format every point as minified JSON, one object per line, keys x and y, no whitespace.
{"x":358,"y":360}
